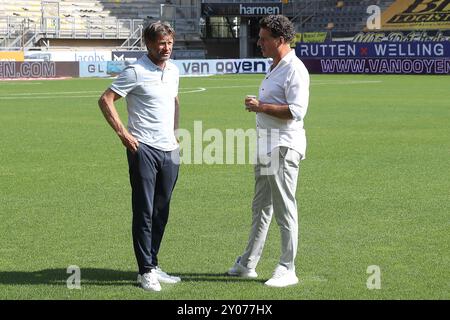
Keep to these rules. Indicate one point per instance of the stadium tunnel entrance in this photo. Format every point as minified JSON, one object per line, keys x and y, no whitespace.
{"x":237,"y":24}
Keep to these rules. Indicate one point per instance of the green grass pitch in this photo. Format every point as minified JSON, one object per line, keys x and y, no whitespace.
{"x":374,"y":190}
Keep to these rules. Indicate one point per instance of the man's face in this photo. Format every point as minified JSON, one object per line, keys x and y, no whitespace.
{"x":267,"y":43}
{"x":161,"y":49}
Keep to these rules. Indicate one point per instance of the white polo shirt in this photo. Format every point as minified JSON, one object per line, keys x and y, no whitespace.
{"x":150,"y":93}
{"x":287,"y":83}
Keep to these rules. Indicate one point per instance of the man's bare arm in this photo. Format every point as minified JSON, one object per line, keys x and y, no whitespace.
{"x":106,"y":104}
{"x":280,"y":111}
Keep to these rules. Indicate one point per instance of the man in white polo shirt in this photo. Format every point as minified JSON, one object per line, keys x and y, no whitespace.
{"x":280,"y":110}
{"x":151,"y":89}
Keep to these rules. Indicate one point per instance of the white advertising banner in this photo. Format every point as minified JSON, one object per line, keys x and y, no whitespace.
{"x":222,"y":66}
{"x":73,"y":55}
{"x":187,"y":67}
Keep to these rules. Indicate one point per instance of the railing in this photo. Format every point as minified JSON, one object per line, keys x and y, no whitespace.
{"x":301,"y":12}
{"x":134,"y":41}
{"x":21,"y":33}
{"x":92,"y":28}
{"x":220,"y":30}
{"x":16,"y":33}
{"x":185,"y":19}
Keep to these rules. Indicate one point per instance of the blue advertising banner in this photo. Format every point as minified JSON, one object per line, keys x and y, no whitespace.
{"x":374,"y":50}
{"x":93,"y":69}
{"x":102,"y":69}
{"x":438,"y":66}
{"x":126,"y":55}
{"x":114,"y":68}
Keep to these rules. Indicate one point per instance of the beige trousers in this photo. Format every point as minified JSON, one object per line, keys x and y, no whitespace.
{"x":275,"y":195}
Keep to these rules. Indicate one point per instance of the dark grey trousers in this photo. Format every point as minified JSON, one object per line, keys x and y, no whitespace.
{"x":153,"y":174}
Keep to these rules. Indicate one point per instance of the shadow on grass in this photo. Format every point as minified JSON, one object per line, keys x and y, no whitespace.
{"x":95,"y":276}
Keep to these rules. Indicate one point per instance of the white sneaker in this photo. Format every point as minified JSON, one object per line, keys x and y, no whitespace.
{"x":238,"y":270}
{"x":149,"y":281}
{"x":165,"y":278}
{"x":282,"y":277}
{"x":162,"y":277}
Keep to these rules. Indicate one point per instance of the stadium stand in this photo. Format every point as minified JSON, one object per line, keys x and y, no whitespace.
{"x":26,"y":24}
{"x":120,"y":18}
{"x":29,"y":23}
{"x":337,"y":15}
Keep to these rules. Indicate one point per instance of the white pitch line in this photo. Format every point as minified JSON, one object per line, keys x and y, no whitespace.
{"x":345,"y":82}
{"x":17,"y":83}
{"x":50,"y":93}
{"x":69,"y":94}
{"x":194,"y":90}
{"x":45,"y":97}
{"x":313,"y":82}
{"x":230,"y":87}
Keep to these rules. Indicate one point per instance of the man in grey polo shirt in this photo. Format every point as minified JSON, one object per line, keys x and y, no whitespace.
{"x":151,"y":89}
{"x":280,"y":110}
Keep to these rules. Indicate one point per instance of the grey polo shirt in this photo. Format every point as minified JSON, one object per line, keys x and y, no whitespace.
{"x":150,"y":94}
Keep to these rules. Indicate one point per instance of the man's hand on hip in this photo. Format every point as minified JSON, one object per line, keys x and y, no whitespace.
{"x":130,"y":142}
